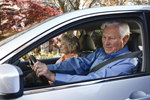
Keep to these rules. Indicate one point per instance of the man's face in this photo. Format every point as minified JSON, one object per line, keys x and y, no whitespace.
{"x":111,"y":39}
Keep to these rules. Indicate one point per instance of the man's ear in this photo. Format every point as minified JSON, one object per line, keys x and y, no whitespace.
{"x":125,"y":39}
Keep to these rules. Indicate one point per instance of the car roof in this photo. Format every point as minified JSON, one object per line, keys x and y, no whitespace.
{"x":13,"y":46}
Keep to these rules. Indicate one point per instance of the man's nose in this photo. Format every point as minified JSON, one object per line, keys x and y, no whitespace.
{"x":107,"y":41}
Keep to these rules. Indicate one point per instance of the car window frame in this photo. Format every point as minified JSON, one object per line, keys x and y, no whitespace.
{"x":125,"y":16}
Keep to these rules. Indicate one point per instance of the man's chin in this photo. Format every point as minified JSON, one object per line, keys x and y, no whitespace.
{"x":108,"y":52}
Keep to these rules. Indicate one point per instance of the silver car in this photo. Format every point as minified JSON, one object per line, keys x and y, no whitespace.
{"x":82,"y":22}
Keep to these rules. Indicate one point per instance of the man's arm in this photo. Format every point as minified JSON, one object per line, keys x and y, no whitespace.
{"x":80,"y":65}
{"x":70,"y":66}
{"x":120,"y":67}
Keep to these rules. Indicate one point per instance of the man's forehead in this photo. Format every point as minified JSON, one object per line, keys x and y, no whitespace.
{"x":111,"y":30}
{"x":110,"y":35}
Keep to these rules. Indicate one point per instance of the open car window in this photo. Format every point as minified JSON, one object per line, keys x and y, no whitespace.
{"x":51,"y":48}
{"x":49,"y":52}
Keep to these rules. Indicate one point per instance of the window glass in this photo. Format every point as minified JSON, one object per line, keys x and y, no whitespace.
{"x":97,"y":36}
{"x":49,"y":49}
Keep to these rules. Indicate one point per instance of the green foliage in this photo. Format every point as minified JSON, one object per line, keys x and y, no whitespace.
{"x":97,"y":38}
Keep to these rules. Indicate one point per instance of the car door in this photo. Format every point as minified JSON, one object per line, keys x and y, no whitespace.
{"x":110,"y":88}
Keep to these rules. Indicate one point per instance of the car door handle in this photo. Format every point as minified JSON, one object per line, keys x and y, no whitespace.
{"x":139,"y":95}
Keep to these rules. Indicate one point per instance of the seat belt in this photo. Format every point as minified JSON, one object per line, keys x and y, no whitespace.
{"x":129,"y":55}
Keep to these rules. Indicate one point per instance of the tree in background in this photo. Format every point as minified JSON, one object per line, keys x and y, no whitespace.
{"x":18,"y":15}
{"x":72,"y":5}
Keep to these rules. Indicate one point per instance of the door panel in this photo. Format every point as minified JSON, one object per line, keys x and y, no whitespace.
{"x":139,"y":95}
{"x":105,"y":90}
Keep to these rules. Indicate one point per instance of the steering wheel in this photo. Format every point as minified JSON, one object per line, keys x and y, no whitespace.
{"x":31,"y":78}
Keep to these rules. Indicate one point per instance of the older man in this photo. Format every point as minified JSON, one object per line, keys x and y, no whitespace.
{"x":114,"y":38}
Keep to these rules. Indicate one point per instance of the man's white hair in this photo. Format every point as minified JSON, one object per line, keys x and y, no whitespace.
{"x":123,"y":27}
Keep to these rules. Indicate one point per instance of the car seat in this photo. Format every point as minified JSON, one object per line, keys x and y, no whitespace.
{"x":87,"y":44}
{"x":133,"y":45}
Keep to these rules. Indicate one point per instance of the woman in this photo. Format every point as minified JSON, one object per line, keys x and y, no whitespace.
{"x":69,"y":47}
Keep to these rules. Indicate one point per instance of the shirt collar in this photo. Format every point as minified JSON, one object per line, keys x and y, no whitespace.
{"x":118,"y":53}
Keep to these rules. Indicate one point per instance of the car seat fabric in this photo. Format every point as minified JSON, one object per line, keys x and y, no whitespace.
{"x":133,"y":45}
{"x":87,"y":44}
{"x":133,"y":42}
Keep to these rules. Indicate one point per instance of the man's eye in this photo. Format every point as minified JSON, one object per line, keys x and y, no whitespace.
{"x":112,"y":38}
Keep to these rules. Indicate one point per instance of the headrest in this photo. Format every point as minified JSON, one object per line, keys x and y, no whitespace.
{"x":134,"y":42}
{"x":86,"y":42}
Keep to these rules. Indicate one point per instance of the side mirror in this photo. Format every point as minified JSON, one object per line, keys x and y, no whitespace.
{"x":11,"y":81}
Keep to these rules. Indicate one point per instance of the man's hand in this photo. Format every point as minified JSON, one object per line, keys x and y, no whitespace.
{"x":42,"y":69}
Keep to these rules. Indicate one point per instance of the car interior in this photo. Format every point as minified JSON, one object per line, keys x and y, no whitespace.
{"x":90,"y":40}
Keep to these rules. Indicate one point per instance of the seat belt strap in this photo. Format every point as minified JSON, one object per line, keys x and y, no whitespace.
{"x":129,"y":55}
